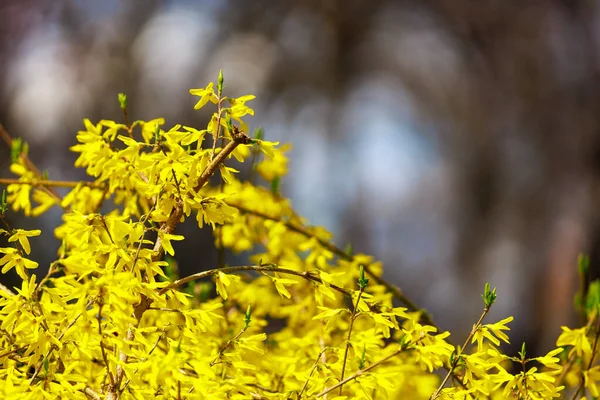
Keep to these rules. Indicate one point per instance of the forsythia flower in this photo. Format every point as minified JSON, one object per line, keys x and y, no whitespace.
{"x":301,"y":319}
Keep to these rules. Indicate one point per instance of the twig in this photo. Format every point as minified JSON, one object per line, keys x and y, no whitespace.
{"x":352,"y":318}
{"x":53,"y":347}
{"x":160,"y":337}
{"x":312,"y":370}
{"x":462,"y":349}
{"x":259,"y":268}
{"x":361,"y":372}
{"x":218,"y":129}
{"x":104,"y":357}
{"x":229,"y":342}
{"x":91,"y":394}
{"x":589,"y":365}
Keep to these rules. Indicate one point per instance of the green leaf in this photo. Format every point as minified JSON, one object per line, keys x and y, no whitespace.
{"x":258,"y":134}
{"x":592,"y":305}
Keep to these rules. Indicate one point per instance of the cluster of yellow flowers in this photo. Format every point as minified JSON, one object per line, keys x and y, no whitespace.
{"x":112,"y":320}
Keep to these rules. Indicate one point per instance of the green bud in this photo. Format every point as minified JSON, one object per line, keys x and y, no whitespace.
{"x":248,"y":317}
{"x":349,"y":250}
{"x":362,"y":281}
{"x":488,"y":296}
{"x":361,"y":360}
{"x":157,"y":133}
{"x":220,"y":83}
{"x":122,"y":97}
{"x":522,"y":353}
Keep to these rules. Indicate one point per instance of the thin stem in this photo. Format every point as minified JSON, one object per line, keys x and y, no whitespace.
{"x":160,"y":337}
{"x":53,"y":347}
{"x":218,"y":128}
{"x":229,"y":342}
{"x":312,"y":370}
{"x":352,"y":318}
{"x":360,"y":372}
{"x":258,"y":268}
{"x":462,"y":349}
{"x":104,"y":357}
{"x":580,"y":387}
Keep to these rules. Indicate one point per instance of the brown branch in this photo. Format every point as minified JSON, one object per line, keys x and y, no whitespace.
{"x":169,"y":227}
{"x":91,"y":394}
{"x":259,"y":268}
{"x":340,"y":253}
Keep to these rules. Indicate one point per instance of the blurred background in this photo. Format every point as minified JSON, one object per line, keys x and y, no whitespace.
{"x":458,"y":141}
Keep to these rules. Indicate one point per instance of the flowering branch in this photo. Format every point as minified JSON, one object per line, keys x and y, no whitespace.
{"x":340,"y":253}
{"x":169,"y":227}
{"x":360,"y":372}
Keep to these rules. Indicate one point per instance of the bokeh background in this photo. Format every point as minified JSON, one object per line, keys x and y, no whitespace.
{"x":456,"y":140}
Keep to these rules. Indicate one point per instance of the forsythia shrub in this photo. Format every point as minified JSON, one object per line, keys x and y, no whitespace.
{"x":111,"y":320}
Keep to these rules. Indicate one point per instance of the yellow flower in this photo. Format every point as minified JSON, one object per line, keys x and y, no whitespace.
{"x":21,"y":235}
{"x":207,"y":94}
{"x":12,"y":258}
{"x":576,"y":338}
{"x":166,"y":241}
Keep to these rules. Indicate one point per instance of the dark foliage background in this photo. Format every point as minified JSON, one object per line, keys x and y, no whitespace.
{"x":456,"y":140}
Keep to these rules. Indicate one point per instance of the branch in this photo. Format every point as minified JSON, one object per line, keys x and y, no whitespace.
{"x":462,"y":350}
{"x":360,"y":372}
{"x":91,"y":394}
{"x":169,"y":226}
{"x":259,"y":268}
{"x":340,"y":253}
